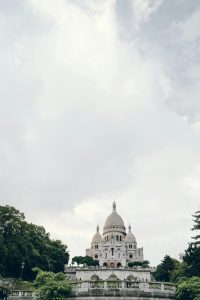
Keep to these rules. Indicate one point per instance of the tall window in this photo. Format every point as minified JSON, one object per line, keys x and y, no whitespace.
{"x":112,"y":251}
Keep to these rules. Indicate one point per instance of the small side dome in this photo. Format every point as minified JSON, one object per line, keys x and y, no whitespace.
{"x":97,"y":237}
{"x":130,"y":238}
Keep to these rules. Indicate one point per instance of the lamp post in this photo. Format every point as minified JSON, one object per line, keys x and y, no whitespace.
{"x":22,"y":269}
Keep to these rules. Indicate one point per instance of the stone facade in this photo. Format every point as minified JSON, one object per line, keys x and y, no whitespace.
{"x":138,"y":274}
{"x":116,"y":248}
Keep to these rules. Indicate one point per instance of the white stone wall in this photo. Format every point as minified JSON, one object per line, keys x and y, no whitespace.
{"x":121,"y":274}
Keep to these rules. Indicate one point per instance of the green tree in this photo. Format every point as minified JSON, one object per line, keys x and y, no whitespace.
{"x":179,"y":272}
{"x":192,"y":258}
{"x":165,"y":269}
{"x":135,"y":264}
{"x":89,"y":261}
{"x":24,"y":246}
{"x":78,"y":259}
{"x":196,"y":227}
{"x":51,"y":285}
{"x":188,"y":289}
{"x":192,"y":254}
{"x":143,"y":264}
{"x":85,"y":260}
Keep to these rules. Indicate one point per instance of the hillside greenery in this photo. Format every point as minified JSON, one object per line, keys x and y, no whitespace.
{"x":24,"y":246}
{"x":186,"y":272}
{"x":85,"y":260}
{"x":50,"y":285}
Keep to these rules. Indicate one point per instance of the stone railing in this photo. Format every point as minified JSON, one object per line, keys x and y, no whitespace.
{"x":124,"y":288}
{"x":84,"y":286}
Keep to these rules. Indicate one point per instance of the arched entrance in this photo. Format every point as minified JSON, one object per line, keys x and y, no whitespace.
{"x":113,"y":277}
{"x":112,"y":264}
{"x":119,"y":264}
{"x":94,"y":278}
{"x":105,"y":264}
{"x":131,"y":278}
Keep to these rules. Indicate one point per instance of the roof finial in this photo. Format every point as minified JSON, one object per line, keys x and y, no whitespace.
{"x":114,"y":206}
{"x":97,"y":228}
{"x":129,"y":228}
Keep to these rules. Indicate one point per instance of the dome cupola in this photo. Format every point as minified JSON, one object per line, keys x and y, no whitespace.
{"x":97,"y":237}
{"x":130,"y":238}
{"x":114,"y":218}
{"x":114,"y":222}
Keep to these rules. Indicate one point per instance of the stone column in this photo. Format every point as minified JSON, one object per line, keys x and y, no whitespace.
{"x":105,"y":286}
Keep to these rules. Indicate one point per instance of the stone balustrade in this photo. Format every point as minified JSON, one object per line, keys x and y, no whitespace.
{"x":125,"y":284}
{"x":124,"y":288}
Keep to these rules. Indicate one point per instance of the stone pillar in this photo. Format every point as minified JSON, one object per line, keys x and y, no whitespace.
{"x":123,"y":285}
{"x":105,"y":286}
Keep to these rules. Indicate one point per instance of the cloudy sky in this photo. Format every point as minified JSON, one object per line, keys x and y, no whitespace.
{"x":100,"y":100}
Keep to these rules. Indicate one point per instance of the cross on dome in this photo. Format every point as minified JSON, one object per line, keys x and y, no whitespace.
{"x":114,"y":205}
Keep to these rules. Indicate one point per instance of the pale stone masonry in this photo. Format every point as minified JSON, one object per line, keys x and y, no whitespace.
{"x":116,"y":248}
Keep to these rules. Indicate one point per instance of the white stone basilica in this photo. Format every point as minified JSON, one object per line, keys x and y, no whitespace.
{"x":115,"y":248}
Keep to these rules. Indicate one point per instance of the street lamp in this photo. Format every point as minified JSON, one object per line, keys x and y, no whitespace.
{"x":22,"y":269}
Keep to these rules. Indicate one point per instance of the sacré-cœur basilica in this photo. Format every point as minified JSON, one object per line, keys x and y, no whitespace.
{"x":115,"y":248}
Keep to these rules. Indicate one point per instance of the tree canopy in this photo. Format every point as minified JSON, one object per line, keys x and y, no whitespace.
{"x":50,"y":285}
{"x":185,"y":273}
{"x":165,"y":269}
{"x":24,"y":246}
{"x":143,"y":264}
{"x":85,"y":260}
{"x":196,"y":227}
{"x":188,"y":289}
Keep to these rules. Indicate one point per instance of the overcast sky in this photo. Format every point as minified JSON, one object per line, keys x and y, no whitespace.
{"x":100,"y":100}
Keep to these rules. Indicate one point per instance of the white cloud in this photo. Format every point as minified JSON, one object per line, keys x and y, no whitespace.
{"x":189,"y":28}
{"x":142,"y":11}
{"x":84,"y":120}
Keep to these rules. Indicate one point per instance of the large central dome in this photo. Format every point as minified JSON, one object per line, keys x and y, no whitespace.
{"x":114,"y":218}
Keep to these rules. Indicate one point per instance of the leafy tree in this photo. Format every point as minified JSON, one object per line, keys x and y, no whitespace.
{"x":192,"y":259}
{"x":24,"y":245}
{"x":85,"y":260}
{"x":51,"y":285}
{"x":165,"y":269}
{"x":196,"y":227}
{"x":78,"y":259}
{"x":192,"y":254}
{"x":89,"y":261}
{"x":188,"y":289}
{"x":179,"y":272}
{"x":143,"y":264}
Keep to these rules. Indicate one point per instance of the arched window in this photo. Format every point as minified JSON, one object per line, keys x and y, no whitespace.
{"x":113,"y":277}
{"x":105,"y":264}
{"x":112,"y":251}
{"x":94,"y":278}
